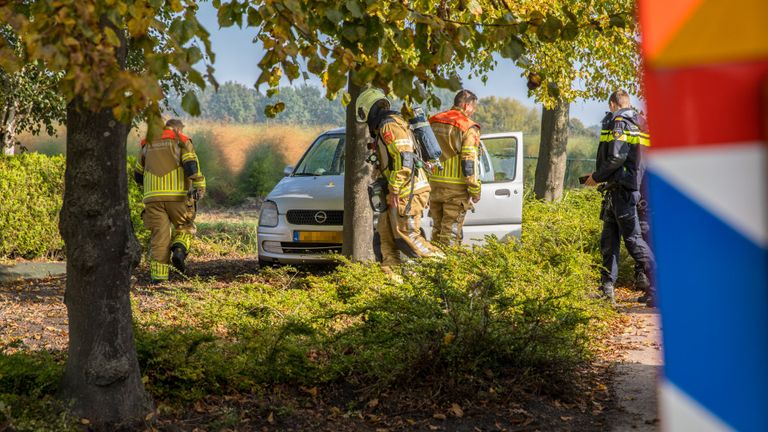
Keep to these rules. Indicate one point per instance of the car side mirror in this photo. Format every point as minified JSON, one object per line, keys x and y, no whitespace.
{"x":288,"y":170}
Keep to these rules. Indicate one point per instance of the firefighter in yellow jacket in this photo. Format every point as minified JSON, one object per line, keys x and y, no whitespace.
{"x":456,"y":187}
{"x":169,"y":171}
{"x":399,"y":226}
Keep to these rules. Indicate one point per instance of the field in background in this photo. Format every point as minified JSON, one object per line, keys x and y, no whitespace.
{"x":233,"y":140}
{"x":242,"y":162}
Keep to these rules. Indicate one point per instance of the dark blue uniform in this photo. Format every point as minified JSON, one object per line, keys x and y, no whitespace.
{"x":620,"y":166}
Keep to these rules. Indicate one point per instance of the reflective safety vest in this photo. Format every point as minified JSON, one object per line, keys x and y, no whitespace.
{"x":168,"y":168}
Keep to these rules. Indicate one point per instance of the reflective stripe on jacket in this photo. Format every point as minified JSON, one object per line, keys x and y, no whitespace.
{"x":168,"y":167}
{"x":459,"y":139}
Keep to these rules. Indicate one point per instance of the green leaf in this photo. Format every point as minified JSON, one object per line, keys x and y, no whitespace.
{"x":354,"y":8}
{"x":334,"y":15}
{"x":617,"y":21}
{"x":346,"y":98}
{"x":513,"y":49}
{"x":190,"y":104}
{"x":570,"y":31}
{"x":254,"y":18}
{"x":225,"y":15}
{"x":316,"y":65}
{"x":279,"y":107}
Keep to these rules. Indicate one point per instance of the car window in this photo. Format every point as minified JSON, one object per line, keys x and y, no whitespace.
{"x":499,"y":160}
{"x":325,"y":157}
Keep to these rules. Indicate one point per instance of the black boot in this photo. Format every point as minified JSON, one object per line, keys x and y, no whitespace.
{"x":642,"y":282}
{"x":649,"y":297}
{"x":178,"y":255}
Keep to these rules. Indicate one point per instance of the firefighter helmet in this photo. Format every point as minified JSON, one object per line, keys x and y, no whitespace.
{"x":366,"y":100}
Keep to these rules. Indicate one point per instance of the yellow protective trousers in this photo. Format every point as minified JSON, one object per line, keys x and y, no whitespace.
{"x":170,"y":223}
{"x":448,"y":207}
{"x":401,"y":232}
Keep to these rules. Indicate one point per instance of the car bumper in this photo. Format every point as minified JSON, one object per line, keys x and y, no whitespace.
{"x":277,"y":245}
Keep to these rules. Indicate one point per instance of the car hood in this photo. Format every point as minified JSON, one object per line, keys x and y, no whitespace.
{"x":309,"y":193}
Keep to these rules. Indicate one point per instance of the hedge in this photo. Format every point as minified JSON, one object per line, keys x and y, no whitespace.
{"x":32,"y":187}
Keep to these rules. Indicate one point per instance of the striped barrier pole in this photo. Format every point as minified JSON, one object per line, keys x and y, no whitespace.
{"x":706,"y":77}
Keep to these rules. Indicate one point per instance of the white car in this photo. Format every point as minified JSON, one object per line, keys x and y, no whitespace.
{"x":301,"y":220}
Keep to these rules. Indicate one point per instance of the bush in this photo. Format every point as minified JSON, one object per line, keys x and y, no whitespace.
{"x":31,"y":186}
{"x":263,"y":170}
{"x":520,"y":305}
{"x":27,"y":386}
{"x":219,"y":178}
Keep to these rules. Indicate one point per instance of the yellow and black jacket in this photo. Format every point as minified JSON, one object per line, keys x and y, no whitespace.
{"x":168,"y":167}
{"x":459,"y":139}
{"x":395,"y":144}
{"x":623,"y":138}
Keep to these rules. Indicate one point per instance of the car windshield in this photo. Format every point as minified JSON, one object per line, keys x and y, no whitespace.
{"x":325,"y":157}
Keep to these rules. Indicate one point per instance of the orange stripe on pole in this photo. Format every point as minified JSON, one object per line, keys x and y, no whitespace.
{"x":660,"y":20}
{"x":718,"y":31}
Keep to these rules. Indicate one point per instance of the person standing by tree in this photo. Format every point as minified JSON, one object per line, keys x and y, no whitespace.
{"x":620,"y":167}
{"x":408,"y":188}
{"x":169,"y":172}
{"x":457,"y":186}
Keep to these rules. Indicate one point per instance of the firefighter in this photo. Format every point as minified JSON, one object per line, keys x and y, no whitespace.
{"x":456,"y":187}
{"x":399,"y":226}
{"x":169,"y":172}
{"x":620,"y":167}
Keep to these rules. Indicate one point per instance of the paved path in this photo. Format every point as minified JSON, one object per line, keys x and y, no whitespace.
{"x":31,"y":270}
{"x":637,"y":376}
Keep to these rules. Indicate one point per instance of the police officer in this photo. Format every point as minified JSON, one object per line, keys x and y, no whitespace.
{"x":456,"y":187}
{"x":168,"y":170}
{"x":408,"y":188}
{"x":620,"y":167}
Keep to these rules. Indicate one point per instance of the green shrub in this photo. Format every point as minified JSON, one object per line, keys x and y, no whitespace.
{"x":263,"y":170}
{"x":221,"y":182}
{"x":27,"y":386}
{"x":31,"y":186}
{"x":522,"y":305}
{"x":136,"y":205}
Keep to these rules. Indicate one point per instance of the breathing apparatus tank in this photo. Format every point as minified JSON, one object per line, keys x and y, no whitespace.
{"x":425,"y":137}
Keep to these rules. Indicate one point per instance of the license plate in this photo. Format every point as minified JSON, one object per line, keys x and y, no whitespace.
{"x":317,"y":236}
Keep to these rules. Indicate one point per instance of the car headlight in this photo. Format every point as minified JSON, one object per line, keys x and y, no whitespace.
{"x":268,"y":216}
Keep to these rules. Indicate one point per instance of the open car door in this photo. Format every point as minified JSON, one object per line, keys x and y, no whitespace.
{"x":500,"y":209}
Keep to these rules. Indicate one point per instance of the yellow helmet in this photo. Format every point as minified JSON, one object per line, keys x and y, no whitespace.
{"x":365,"y":102}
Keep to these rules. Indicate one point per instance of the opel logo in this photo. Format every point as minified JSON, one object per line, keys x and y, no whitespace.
{"x":321,"y":217}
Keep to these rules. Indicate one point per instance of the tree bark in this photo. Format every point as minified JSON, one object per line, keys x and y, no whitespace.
{"x":358,"y":216}
{"x":550,"y":168}
{"x":8,"y":129}
{"x":102,"y":374}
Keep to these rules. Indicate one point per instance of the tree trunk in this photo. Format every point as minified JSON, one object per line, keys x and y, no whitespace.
{"x":8,"y":129}
{"x":550,"y":168}
{"x":358,"y":216}
{"x":102,"y":375}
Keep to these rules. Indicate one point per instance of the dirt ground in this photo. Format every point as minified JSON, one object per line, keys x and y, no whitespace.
{"x":615,"y":393}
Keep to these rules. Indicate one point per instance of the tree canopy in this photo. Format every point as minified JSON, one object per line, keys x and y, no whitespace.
{"x":78,"y":40}
{"x":403,"y":47}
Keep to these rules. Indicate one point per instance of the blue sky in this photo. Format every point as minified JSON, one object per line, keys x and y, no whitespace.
{"x":237,"y":58}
